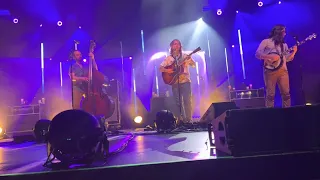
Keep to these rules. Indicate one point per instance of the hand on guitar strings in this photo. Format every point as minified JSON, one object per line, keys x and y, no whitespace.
{"x":170,"y":71}
{"x":85,"y":79}
{"x":91,"y":55}
{"x":295,"y":49}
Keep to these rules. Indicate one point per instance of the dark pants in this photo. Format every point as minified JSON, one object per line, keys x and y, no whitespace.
{"x":186,"y":99}
{"x":271,"y":79}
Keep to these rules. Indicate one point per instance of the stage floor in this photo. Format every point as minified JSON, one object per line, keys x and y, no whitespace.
{"x":143,"y":148}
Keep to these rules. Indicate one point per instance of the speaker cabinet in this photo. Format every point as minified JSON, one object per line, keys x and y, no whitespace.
{"x":113,"y":91}
{"x":244,"y":132}
{"x":215,"y":110}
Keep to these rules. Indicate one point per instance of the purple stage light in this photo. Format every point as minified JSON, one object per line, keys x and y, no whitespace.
{"x":219,"y":12}
{"x":15,"y":20}
{"x":59,"y":23}
{"x":237,"y":12}
{"x":279,"y":2}
{"x":130,"y":57}
{"x":260,"y":3}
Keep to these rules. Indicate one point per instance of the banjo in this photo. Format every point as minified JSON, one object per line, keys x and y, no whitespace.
{"x":274,"y":65}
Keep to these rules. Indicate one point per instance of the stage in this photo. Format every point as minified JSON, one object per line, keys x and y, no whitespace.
{"x":159,"y":156}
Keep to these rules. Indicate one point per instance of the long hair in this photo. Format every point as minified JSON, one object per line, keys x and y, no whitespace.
{"x":277,"y":35}
{"x":180,"y":50}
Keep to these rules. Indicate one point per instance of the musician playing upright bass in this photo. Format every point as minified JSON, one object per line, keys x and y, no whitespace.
{"x":78,"y":72}
{"x":182,"y":86}
{"x":266,"y":51}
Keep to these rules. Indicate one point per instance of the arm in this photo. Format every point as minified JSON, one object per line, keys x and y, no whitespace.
{"x":164,"y":64}
{"x":260,"y":54}
{"x":191,"y":62}
{"x":73,"y":77}
{"x":76,"y":78}
{"x":290,"y":56}
{"x":94,"y":64}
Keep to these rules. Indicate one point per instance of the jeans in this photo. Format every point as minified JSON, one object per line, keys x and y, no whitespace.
{"x":186,"y":99}
{"x":271,"y":79}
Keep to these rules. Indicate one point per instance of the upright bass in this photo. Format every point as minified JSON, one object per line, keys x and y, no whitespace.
{"x":96,"y":102}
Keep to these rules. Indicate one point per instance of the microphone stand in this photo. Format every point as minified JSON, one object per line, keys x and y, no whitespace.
{"x":179,"y":93}
{"x":301,"y":74}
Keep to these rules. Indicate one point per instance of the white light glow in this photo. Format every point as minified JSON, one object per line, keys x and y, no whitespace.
{"x":59,"y":23}
{"x":61,"y":83}
{"x":219,"y":12}
{"x":260,"y":3}
{"x":42,"y":66}
{"x":241,"y":54}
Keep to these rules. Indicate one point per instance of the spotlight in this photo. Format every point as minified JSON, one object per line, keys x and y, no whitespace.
{"x":260,"y":3}
{"x":79,"y":27}
{"x":75,"y":137}
{"x":279,"y":2}
{"x":233,"y":46}
{"x":165,"y":121}
{"x":137,"y":119}
{"x":237,"y":12}
{"x":130,"y":57}
{"x":15,"y":20}
{"x":40,"y":25}
{"x":219,"y":12}
{"x":59,"y":23}
{"x":84,"y":60}
{"x":41,"y":129}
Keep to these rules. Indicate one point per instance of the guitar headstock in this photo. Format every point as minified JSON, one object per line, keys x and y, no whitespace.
{"x":92,"y":46}
{"x":312,"y":36}
{"x":196,"y":50}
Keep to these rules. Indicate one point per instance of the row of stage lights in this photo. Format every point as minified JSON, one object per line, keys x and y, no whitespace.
{"x":219,"y":12}
{"x":260,"y":4}
{"x":59,"y":23}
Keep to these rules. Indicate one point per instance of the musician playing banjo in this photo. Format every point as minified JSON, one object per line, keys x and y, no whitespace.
{"x":78,"y":73}
{"x":182,"y":86}
{"x":274,"y":52}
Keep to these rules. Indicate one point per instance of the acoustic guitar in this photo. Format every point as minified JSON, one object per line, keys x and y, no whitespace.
{"x":274,"y":65}
{"x":177,"y":67}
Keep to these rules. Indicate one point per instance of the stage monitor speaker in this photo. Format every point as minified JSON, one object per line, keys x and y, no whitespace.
{"x":250,"y":103}
{"x":267,"y":131}
{"x":215,"y":110}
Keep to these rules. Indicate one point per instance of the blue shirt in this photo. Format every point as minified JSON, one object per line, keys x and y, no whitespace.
{"x":79,"y":72}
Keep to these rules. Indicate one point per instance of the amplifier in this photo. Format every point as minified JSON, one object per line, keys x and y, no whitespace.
{"x":22,"y":119}
{"x":113,"y":90}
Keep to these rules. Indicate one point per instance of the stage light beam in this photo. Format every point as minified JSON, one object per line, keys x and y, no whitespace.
{"x":42,"y":66}
{"x":241,"y":54}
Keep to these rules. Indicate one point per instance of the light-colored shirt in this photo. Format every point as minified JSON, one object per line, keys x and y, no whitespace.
{"x":267,"y":46}
{"x":185,"y":76}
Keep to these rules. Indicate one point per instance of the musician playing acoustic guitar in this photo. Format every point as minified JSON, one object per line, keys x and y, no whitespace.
{"x":183,"y":85}
{"x":274,"y":52}
{"x":78,"y":73}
